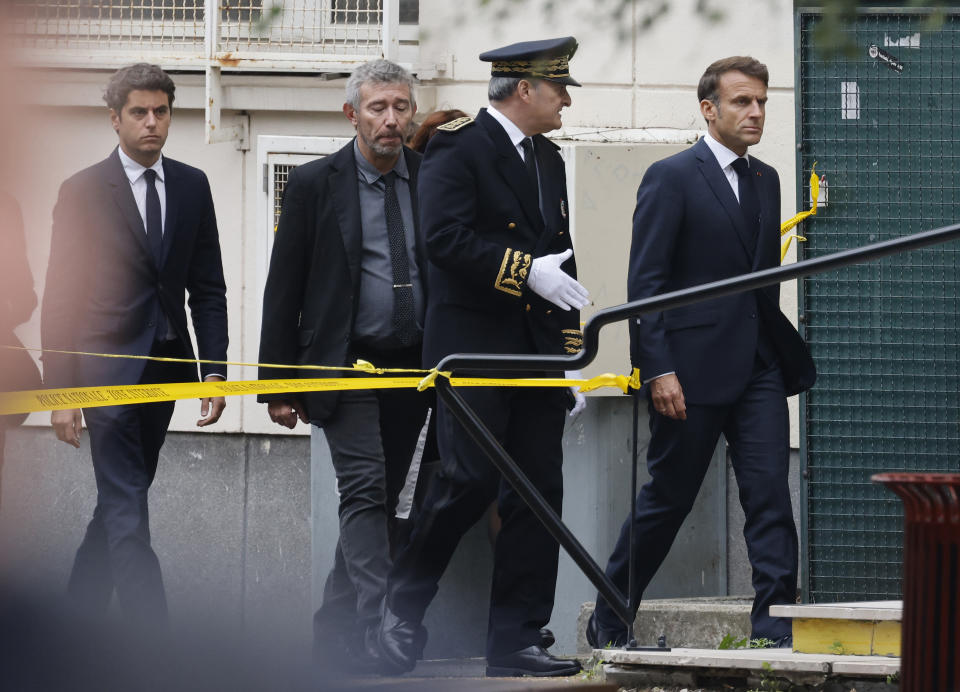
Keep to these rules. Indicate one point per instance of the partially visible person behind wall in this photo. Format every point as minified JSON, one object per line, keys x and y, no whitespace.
{"x":428,"y":128}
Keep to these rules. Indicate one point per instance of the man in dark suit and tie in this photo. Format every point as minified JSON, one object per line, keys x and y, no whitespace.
{"x":346,"y":282}
{"x":131,"y":236}
{"x":493,"y":203}
{"x":722,"y":366}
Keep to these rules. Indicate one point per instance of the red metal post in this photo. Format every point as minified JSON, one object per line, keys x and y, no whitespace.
{"x":930,"y":646}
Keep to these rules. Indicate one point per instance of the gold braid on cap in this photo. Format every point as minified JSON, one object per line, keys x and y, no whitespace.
{"x":547,"y":69}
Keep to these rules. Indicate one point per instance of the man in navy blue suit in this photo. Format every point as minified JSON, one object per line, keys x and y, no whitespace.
{"x":131,"y":236}
{"x":721,"y":366}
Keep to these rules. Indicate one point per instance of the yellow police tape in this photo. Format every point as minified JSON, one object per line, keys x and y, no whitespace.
{"x":791,"y":222}
{"x":90,"y":397}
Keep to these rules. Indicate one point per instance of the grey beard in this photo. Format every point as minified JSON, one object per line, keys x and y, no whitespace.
{"x":381,"y":149}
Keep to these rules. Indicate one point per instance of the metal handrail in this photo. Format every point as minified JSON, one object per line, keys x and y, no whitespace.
{"x":694,"y":294}
{"x":591,"y":341}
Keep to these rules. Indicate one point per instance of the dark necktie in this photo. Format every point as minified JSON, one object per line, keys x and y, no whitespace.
{"x":749,"y":201}
{"x":155,"y":239}
{"x":404,"y":322}
{"x":530,"y":160}
{"x":530,"y":163}
{"x":154,"y":218}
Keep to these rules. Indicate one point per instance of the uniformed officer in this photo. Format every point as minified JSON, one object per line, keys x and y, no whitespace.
{"x":493,"y":203}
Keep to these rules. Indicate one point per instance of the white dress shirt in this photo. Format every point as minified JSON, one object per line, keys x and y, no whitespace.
{"x":725,"y":158}
{"x":516,"y":138}
{"x":138,"y":185}
{"x":513,"y":132}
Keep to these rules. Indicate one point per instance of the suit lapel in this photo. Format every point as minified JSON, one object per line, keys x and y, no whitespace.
{"x":511,"y":168}
{"x":711,"y":171}
{"x":171,"y":184}
{"x":127,"y":205}
{"x":346,"y":202}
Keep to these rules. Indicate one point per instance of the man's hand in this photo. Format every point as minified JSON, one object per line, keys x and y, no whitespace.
{"x":286,"y":412}
{"x":212,"y":406}
{"x":667,"y":395}
{"x":67,"y":424}
{"x":550,"y":282}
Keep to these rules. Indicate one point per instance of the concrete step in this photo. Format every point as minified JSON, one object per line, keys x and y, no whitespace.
{"x":866,"y":628}
{"x":747,"y":667}
{"x":689,"y":622}
{"x":443,"y":675}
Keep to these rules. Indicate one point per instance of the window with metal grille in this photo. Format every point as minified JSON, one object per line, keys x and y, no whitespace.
{"x":281,"y":174}
{"x":155,"y":10}
{"x":368,"y":11}
{"x":115,"y":32}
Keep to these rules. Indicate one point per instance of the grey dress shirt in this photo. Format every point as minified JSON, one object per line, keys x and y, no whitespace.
{"x":373,"y":324}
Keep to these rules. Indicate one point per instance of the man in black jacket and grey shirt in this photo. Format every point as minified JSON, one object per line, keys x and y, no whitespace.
{"x":346,"y":282}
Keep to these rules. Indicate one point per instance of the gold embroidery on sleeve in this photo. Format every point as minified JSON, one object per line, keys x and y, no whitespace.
{"x":572,"y":340}
{"x":513,"y":272}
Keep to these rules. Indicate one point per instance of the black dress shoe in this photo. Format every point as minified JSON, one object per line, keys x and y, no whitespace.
{"x":400,"y":642}
{"x":546,"y":638}
{"x":600,"y":638}
{"x":533,"y":661}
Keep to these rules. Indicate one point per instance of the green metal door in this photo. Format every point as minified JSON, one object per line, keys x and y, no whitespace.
{"x":884,"y":127}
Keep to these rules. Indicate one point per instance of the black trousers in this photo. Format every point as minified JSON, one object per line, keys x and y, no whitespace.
{"x":529,"y":425}
{"x":372,"y":437}
{"x":115,"y":554}
{"x":756,"y":427}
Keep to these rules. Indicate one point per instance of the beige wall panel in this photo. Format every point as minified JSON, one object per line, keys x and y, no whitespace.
{"x":604,"y":180}
{"x":600,"y":107}
{"x":681,"y":44}
{"x":463,"y":31}
{"x":667,"y":107}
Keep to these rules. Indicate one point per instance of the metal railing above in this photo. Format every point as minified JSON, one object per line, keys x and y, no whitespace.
{"x":278,"y":35}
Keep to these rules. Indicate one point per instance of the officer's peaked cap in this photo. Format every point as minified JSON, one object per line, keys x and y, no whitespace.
{"x":546,"y":59}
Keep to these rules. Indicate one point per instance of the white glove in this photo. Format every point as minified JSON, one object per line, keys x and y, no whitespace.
{"x":581,"y":400}
{"x":550,"y":282}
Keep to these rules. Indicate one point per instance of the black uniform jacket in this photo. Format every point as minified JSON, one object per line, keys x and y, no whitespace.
{"x":483,"y":226}
{"x":688,"y":230}
{"x":103,"y":286}
{"x":313,"y":284}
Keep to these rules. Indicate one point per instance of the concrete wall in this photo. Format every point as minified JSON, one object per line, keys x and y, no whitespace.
{"x":230,"y":521}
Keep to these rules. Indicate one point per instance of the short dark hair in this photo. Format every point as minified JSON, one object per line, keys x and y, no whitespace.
{"x":142,"y":76}
{"x":707,"y":89}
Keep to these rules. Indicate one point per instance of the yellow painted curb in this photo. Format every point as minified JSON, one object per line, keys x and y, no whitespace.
{"x":846,"y":637}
